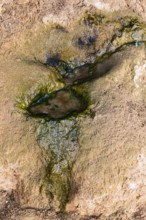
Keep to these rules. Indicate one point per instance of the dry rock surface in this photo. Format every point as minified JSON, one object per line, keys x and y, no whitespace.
{"x":137,"y":6}
{"x":109,"y":175}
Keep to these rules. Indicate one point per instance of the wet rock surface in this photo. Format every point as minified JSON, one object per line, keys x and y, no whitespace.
{"x":94,"y":163}
{"x":60,"y":140}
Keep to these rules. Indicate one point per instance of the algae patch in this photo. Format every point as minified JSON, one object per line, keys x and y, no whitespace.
{"x":60,"y":140}
{"x":58,"y":136}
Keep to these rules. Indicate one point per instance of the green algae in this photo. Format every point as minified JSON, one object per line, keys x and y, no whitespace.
{"x":60,"y":140}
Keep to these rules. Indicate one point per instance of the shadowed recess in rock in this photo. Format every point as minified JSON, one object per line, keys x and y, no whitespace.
{"x":95,"y":70}
{"x":58,"y":105}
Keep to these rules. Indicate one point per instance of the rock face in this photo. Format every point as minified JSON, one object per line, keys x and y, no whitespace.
{"x":136,"y":6}
{"x":21,"y":166}
{"x":95,"y":163}
{"x":109,"y":172}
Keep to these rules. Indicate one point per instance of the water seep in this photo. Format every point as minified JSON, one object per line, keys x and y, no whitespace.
{"x":60,"y":141}
{"x":59,"y":102}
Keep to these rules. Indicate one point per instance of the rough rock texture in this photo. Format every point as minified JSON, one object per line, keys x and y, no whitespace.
{"x":109,"y":173}
{"x":137,"y":6}
{"x":21,"y":166}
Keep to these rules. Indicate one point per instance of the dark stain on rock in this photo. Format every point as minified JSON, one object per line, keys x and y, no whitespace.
{"x":53,"y":60}
{"x":86,"y":40}
{"x":56,"y":62}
